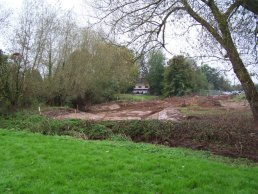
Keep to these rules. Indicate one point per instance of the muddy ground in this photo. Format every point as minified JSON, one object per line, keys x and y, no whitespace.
{"x":167,"y":109}
{"x":219,"y":124}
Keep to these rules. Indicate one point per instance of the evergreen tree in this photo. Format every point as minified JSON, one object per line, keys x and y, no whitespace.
{"x":182,"y":77}
{"x":155,"y":77}
{"x":215,"y":80}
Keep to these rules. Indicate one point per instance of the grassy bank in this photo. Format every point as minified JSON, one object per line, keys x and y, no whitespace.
{"x":231,"y":136}
{"x":33,"y":163}
{"x":135,"y":97}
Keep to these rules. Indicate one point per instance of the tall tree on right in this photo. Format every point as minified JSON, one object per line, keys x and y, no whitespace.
{"x":226,"y":26}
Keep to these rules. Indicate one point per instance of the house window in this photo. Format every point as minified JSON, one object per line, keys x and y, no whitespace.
{"x":146,"y":87}
{"x":139,"y":86}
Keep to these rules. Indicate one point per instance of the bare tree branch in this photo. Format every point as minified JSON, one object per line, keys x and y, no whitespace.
{"x":202,"y":21}
{"x":233,"y":7}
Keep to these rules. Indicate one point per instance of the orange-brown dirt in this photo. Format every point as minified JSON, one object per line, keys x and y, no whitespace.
{"x":167,"y":109}
{"x":227,"y":135}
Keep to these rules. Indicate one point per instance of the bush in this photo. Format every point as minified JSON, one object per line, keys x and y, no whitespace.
{"x":229,"y":134}
{"x":97,"y":131}
{"x":5,"y":107}
{"x":119,"y":137}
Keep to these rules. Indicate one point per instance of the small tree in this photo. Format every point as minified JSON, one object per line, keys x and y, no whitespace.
{"x":93,"y":72}
{"x":182,"y":77}
{"x":215,"y":80}
{"x":155,"y":76}
{"x":226,"y":28}
{"x":4,"y":76}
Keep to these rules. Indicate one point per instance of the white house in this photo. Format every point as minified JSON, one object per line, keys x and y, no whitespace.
{"x":141,"y":88}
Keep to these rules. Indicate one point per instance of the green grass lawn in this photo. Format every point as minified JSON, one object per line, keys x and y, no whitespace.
{"x":34,"y":163}
{"x":135,"y":97}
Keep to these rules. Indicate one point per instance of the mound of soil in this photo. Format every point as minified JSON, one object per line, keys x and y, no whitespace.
{"x":228,"y":135}
{"x":154,"y":109}
{"x":55,"y":112}
{"x":104,"y":107}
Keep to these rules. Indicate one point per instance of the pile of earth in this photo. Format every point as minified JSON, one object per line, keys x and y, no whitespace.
{"x":167,"y":109}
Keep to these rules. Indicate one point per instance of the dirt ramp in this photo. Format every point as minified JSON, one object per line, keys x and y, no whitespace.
{"x":170,"y":113}
{"x":104,"y":107}
{"x":155,"y":109}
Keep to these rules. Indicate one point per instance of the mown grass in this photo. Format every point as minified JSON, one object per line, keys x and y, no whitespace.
{"x":205,"y":111}
{"x":198,"y":111}
{"x":135,"y":97}
{"x":238,"y":98}
{"x":33,"y":163}
{"x":227,"y":134}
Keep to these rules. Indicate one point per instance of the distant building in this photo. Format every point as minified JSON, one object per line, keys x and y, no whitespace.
{"x":141,"y":87}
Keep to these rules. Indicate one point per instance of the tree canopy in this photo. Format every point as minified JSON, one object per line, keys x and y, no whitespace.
{"x":215,"y":80}
{"x":182,"y":76}
{"x":227,"y":30}
{"x":156,"y":63}
{"x":53,"y":60}
{"x":251,"y":5}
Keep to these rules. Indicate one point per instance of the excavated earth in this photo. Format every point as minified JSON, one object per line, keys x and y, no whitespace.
{"x":233,"y":136}
{"x":167,"y":109}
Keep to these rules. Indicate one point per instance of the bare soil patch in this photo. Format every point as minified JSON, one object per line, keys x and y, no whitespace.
{"x":218,"y":124}
{"x":155,"y":109}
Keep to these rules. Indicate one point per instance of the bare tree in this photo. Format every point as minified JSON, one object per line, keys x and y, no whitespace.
{"x":5,"y":13}
{"x":251,"y":5}
{"x":40,"y":37}
{"x":226,"y":24}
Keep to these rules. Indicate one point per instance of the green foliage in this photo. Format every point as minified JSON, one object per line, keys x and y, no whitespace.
{"x":32,"y":163}
{"x":93,"y":73}
{"x":44,"y":125}
{"x":119,"y":137}
{"x":4,"y":81}
{"x":155,"y":78}
{"x":239,"y":98}
{"x":32,"y":89}
{"x":204,"y":130}
{"x":138,"y":97}
{"x":97,"y":131}
{"x":215,"y":80}
{"x":5,"y":103}
{"x":19,"y":86}
{"x":239,"y":87}
{"x":182,"y":76}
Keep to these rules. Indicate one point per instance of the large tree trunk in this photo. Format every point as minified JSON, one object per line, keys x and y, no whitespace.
{"x":245,"y":79}
{"x":251,"y":5}
{"x":238,"y":65}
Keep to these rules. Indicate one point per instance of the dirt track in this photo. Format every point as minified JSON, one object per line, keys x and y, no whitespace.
{"x":220,"y":114}
{"x":167,"y":109}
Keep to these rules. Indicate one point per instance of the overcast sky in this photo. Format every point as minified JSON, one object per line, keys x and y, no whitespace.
{"x":77,"y":5}
{"x":83,"y":11}
{"x":80,"y":7}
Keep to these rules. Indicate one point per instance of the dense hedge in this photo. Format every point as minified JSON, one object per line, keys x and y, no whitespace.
{"x":229,"y":134}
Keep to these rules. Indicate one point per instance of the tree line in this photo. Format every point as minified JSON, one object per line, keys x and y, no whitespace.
{"x":182,"y":76}
{"x":52,"y":60}
{"x":227,"y":30}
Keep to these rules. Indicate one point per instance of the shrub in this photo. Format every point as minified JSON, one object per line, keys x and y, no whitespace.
{"x":229,"y":134}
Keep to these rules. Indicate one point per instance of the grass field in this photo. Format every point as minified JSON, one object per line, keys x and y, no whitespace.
{"x":135,"y":97}
{"x":34,"y":163}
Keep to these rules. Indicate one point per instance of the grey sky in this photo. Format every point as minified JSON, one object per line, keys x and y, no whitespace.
{"x":176,"y":45}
